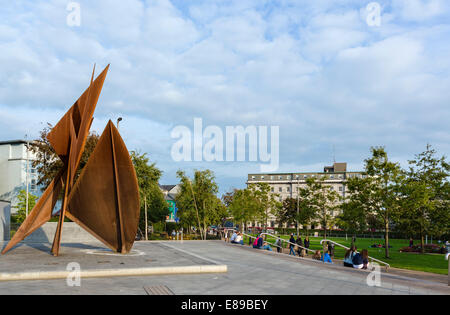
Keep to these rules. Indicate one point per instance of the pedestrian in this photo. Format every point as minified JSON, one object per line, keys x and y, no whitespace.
{"x":233,"y":238}
{"x":365,"y":258}
{"x":267,"y":246}
{"x":326,"y":258}
{"x":411,"y":242}
{"x":306,"y":245}
{"x":291,"y":245}
{"x":173,"y":234}
{"x":279,"y":244}
{"x":299,"y":245}
{"x":348,"y":258}
{"x":316,"y":255}
{"x":331,"y":249}
{"x":357,"y":260}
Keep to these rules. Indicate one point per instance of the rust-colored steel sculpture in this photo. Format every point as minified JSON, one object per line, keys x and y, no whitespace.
{"x":105,"y":198}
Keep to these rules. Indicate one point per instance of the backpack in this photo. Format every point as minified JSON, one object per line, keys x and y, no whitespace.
{"x":255,"y":243}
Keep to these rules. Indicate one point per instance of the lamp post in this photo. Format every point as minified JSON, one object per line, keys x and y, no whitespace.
{"x":118,"y":121}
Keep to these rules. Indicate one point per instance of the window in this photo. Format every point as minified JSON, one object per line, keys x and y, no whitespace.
{"x":332,"y":176}
{"x":288,"y":189}
{"x":297,"y":176}
{"x":272,"y":189}
{"x":262,"y":177}
{"x":305,"y":176}
{"x":271,"y":177}
{"x":280,"y":189}
{"x":340,"y":176}
{"x":340,"y":188}
{"x":280,"y":177}
{"x":253,"y":177}
{"x":33,"y":187}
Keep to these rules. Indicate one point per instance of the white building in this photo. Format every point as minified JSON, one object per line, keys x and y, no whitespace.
{"x":13,"y":171}
{"x":286,"y":185}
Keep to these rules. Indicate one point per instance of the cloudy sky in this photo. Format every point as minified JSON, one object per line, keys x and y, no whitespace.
{"x":315,"y":68}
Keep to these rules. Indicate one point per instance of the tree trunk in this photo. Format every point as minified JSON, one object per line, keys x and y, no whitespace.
{"x":422,"y":243}
{"x":386,"y":238}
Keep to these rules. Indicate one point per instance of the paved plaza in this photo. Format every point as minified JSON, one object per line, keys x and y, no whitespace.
{"x":250,"y":271}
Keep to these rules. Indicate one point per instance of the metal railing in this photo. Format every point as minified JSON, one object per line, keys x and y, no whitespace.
{"x":283,"y":240}
{"x":371,"y":258}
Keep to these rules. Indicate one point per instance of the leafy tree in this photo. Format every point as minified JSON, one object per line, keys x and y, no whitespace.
{"x":242,"y":206}
{"x":425,"y":201}
{"x":288,"y":213}
{"x":48,"y":164}
{"x":380,"y":189}
{"x":307,"y":208}
{"x":325,"y":200}
{"x":266,"y":203}
{"x":148,"y":176}
{"x":197,"y":201}
{"x":354,"y":216}
{"x":22,"y":205}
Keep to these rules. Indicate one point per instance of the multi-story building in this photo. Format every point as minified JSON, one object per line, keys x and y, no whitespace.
{"x":13,"y":171}
{"x":286,"y":185}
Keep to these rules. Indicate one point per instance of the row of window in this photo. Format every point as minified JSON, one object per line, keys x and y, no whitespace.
{"x":298,"y":177}
{"x":288,"y":189}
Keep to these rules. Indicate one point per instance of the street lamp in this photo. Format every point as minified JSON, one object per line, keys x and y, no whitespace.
{"x":118,"y":121}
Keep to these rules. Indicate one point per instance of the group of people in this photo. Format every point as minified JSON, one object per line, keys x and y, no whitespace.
{"x":356,"y":260}
{"x":297,"y":245}
{"x":259,"y":243}
{"x":237,"y":238}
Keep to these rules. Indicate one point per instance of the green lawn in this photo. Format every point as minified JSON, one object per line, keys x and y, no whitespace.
{"x":434,"y":263}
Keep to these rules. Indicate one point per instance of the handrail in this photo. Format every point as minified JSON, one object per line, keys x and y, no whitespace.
{"x":373,"y":259}
{"x":250,"y":236}
{"x":311,"y":250}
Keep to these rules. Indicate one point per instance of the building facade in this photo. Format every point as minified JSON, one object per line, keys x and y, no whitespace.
{"x":13,"y":171}
{"x":286,"y":185}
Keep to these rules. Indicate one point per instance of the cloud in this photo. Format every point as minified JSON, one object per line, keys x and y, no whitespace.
{"x":314,"y":68}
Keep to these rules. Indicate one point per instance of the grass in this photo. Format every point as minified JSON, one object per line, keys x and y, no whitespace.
{"x":434,"y":263}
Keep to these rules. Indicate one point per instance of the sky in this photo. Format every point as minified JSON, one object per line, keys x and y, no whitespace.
{"x":333,"y":82}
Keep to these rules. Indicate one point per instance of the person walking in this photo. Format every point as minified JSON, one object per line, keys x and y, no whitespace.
{"x":306,"y":245}
{"x":291,"y":245}
{"x":299,"y":245}
{"x":279,"y":244}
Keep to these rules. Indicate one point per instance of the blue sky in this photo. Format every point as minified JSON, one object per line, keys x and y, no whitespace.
{"x":314,"y":68}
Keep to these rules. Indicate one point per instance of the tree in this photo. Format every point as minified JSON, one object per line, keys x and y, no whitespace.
{"x":288,"y":213}
{"x":324,"y":199}
{"x":307,"y":208}
{"x":354,"y":216}
{"x":197,"y":201}
{"x":380,"y":189}
{"x":22,"y":205}
{"x":425,"y":203}
{"x":148,"y":176}
{"x":266,"y":204}
{"x":48,"y":164}
{"x":242,"y":206}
